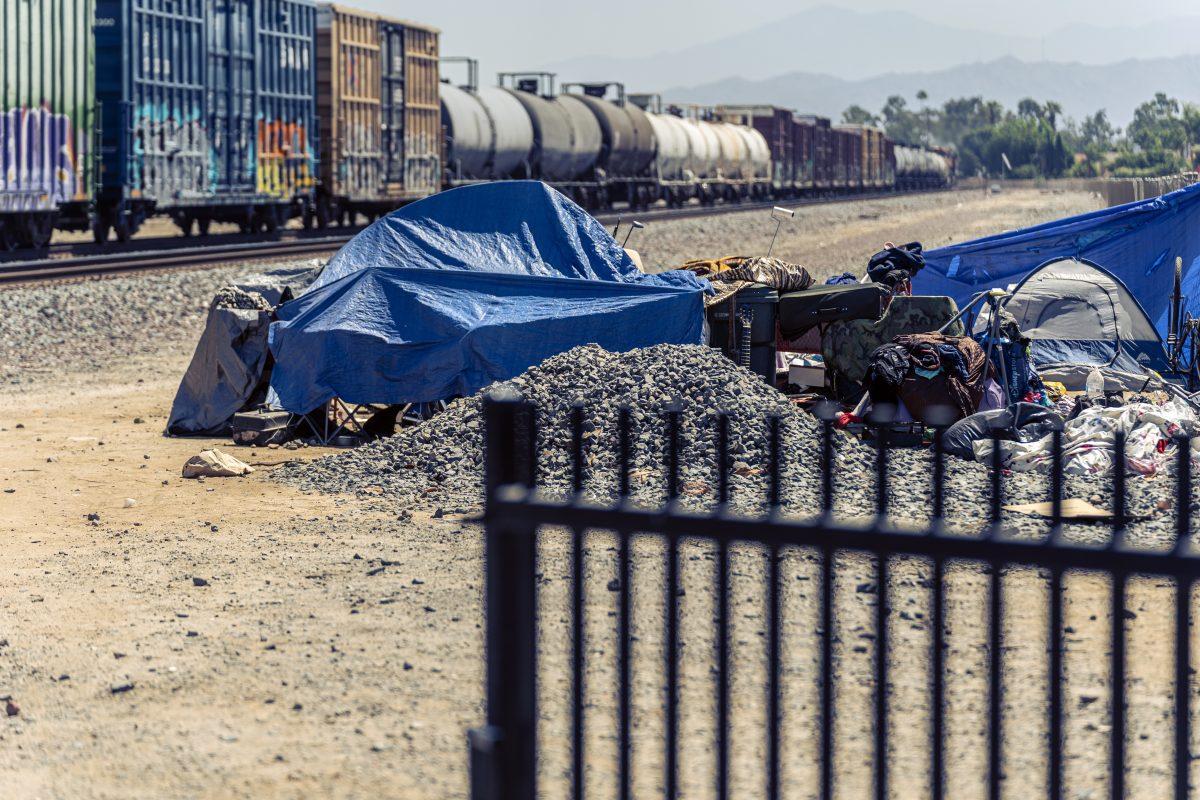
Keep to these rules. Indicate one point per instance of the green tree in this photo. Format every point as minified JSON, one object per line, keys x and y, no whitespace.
{"x":1157,"y":125}
{"x":1097,"y":132}
{"x":857,"y":115}
{"x":901,"y":124}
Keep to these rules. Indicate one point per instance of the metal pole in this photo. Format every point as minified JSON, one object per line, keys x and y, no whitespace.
{"x":503,"y":763}
{"x":778,"y":225}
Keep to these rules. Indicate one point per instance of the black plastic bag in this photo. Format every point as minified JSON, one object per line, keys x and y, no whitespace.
{"x":1020,"y":422}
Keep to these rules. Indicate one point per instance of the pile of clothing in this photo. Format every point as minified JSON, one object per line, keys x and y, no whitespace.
{"x":893,"y":266}
{"x":1089,"y":440}
{"x":731,"y":274}
{"x":920,"y":372}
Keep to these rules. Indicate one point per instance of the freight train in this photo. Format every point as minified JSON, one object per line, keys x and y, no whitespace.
{"x":254,"y":112}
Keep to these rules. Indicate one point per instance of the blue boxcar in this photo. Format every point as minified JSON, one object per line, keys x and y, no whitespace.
{"x":207,"y":112}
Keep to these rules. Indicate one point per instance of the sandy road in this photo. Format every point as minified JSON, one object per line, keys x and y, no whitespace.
{"x":336,"y":649}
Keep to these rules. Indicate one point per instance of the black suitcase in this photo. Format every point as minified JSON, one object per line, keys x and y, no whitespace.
{"x":262,"y":427}
{"x":801,"y":311}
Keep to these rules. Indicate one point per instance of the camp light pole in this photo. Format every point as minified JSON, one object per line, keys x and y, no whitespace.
{"x":780,"y":215}
{"x":636,"y":226}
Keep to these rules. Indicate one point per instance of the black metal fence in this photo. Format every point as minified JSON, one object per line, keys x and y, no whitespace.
{"x":505,"y":754}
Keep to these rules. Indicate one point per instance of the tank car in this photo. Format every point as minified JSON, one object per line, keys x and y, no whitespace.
{"x":628,"y":144}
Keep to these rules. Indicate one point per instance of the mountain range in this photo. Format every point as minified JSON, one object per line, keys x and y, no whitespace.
{"x":1081,"y":89}
{"x":825,"y":58}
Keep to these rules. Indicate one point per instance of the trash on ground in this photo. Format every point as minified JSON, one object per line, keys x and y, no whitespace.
{"x":215,"y":464}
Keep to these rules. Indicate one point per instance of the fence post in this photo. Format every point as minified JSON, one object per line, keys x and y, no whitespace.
{"x":503,"y":761}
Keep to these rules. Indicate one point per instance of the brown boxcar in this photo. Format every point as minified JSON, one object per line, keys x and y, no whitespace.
{"x":868,"y":166}
{"x":380,"y":112}
{"x":819,"y":136}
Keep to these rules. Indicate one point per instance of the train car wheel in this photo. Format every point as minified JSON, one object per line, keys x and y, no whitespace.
{"x":308,"y":218}
{"x":8,"y":238}
{"x":121,"y":229}
{"x":42,"y":229}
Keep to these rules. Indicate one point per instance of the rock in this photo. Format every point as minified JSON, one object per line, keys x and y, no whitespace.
{"x":130,"y":502}
{"x":139,"y":421}
{"x":199,"y":582}
{"x":121,"y":688}
{"x":10,"y":708}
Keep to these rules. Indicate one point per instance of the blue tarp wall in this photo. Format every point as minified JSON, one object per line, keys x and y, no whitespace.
{"x":452,"y":293}
{"x":1137,"y":242}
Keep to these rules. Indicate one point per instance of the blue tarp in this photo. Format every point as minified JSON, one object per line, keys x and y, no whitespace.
{"x":1137,"y":242}
{"x":475,"y":285}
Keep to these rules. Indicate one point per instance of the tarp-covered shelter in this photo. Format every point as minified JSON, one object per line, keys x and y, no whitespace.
{"x":452,"y":293}
{"x":1137,"y":243}
{"x":1077,"y":313}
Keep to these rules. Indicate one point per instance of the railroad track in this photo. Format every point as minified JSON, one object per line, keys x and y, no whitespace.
{"x":177,"y":251}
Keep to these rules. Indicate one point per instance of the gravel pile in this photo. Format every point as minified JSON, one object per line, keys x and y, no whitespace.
{"x":440,"y":463}
{"x":233,"y":297}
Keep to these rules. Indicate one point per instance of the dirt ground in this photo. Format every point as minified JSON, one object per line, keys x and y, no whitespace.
{"x":234,"y":638}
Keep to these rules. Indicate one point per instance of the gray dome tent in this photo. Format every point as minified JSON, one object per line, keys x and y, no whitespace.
{"x":1079,"y":315}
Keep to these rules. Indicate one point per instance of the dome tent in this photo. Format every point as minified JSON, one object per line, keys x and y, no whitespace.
{"x":1079,"y":315}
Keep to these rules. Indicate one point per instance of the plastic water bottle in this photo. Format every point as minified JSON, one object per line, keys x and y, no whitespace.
{"x":1095,"y":384}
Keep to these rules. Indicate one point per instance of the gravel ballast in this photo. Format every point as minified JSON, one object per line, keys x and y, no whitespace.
{"x":95,"y":327}
{"x":441,"y":461}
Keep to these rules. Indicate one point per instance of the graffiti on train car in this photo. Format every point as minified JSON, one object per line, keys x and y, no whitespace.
{"x":172,"y":154}
{"x":285,"y":159}
{"x":37,"y":160}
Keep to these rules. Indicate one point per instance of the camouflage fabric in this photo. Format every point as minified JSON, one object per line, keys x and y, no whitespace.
{"x":847,"y":346}
{"x":731,"y":274}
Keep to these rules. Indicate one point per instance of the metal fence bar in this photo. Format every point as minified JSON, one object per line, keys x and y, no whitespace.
{"x":1055,"y":635}
{"x":1183,"y":632}
{"x":509,"y":762}
{"x":937,"y":626}
{"x":577,"y":606}
{"x":881,"y":614}
{"x":1117,"y":630}
{"x":672,"y":621}
{"x":722,"y":590}
{"x":827,"y":619}
{"x":774,"y":721}
{"x":995,"y":681}
{"x":624,"y":581}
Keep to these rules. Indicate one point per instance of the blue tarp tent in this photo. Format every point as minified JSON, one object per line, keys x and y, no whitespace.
{"x":1137,"y":243}
{"x":471,"y":286}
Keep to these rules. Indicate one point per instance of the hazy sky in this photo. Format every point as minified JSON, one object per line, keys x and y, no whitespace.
{"x":515,"y":34}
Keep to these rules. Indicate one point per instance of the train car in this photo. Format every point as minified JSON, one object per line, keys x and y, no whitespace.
{"x":206,"y":112}
{"x":378,"y":99}
{"x":920,"y":168}
{"x":47,"y":102}
{"x":869,"y":164}
{"x":487,"y":134}
{"x":627,"y":144}
{"x":821,"y":152}
{"x":855,"y":144}
{"x":774,"y":125}
{"x":567,"y":138}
